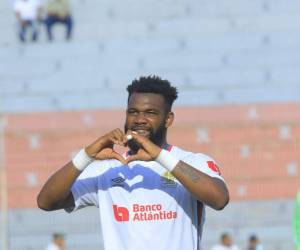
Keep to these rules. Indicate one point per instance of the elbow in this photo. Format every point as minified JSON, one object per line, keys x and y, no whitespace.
{"x":42,"y":203}
{"x":222,"y":202}
{"x":222,"y":205}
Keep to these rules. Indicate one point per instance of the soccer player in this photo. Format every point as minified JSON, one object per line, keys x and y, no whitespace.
{"x":151,"y":197}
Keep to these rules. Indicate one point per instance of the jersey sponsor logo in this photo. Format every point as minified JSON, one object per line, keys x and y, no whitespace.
{"x":168,"y":180}
{"x":121,"y":213}
{"x":139,"y":212}
{"x":213,"y":166}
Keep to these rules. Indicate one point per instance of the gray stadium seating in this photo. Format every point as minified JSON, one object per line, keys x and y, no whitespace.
{"x":215,"y":52}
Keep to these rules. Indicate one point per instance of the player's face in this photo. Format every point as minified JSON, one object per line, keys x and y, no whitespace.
{"x":147,"y":116}
{"x":227,"y":241}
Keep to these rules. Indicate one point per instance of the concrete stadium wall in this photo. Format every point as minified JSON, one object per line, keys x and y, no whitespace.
{"x":256,"y":146}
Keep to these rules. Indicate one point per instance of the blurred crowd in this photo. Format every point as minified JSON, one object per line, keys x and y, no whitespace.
{"x":33,"y":15}
{"x":226,"y":243}
{"x":57,"y":243}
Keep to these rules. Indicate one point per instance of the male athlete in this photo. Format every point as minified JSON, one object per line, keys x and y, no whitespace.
{"x":153,"y":196}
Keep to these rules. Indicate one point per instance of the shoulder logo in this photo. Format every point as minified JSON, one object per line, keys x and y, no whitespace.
{"x":168,"y":180}
{"x":213,"y":166}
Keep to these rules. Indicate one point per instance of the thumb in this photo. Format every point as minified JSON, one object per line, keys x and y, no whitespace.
{"x":132,"y":158}
{"x":118,"y":157}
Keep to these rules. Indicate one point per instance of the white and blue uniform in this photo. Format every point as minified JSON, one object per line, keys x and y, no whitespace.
{"x":142,"y":206}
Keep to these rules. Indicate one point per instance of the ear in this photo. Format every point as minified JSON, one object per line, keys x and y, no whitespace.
{"x":169,"y":119}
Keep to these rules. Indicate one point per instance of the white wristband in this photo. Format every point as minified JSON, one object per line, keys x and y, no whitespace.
{"x":81,"y":160}
{"x":167,"y":160}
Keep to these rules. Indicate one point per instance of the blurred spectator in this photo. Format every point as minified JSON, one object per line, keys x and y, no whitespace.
{"x":58,"y":11}
{"x":253,"y":243}
{"x":58,"y":242}
{"x":225,"y":243}
{"x":28,"y":13}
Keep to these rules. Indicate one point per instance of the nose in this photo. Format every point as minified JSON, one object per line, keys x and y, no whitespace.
{"x":140,"y":118}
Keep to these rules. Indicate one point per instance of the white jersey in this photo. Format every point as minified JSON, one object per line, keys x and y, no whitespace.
{"x":28,"y":10}
{"x":142,"y":206}
{"x":52,"y":246}
{"x":222,"y":247}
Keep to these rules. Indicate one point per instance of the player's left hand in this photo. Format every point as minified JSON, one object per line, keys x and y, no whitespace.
{"x":148,"y":150}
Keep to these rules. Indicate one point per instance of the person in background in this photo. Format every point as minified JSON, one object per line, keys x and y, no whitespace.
{"x":58,"y":242}
{"x":58,"y":11}
{"x":225,"y":243}
{"x":253,"y":243}
{"x":28,"y":14}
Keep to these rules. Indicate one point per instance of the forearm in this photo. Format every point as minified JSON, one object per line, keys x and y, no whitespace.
{"x":57,"y":188}
{"x":211,"y":191}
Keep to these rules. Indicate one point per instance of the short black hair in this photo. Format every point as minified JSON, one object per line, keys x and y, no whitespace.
{"x":57,"y":236}
{"x":224,"y":236}
{"x":154,"y":84}
{"x":253,"y":237}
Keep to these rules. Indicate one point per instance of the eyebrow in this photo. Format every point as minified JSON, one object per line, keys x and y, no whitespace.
{"x":147,"y":109}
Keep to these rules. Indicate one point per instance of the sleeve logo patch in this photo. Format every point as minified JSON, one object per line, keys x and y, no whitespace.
{"x":213,"y":166}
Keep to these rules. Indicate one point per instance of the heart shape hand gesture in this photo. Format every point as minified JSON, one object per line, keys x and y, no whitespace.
{"x":148,"y":151}
{"x":103,"y":147}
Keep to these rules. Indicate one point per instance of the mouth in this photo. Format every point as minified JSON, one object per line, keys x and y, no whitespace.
{"x":142,"y":132}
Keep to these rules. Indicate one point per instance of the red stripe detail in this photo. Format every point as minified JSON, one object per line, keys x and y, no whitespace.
{"x":170,"y":148}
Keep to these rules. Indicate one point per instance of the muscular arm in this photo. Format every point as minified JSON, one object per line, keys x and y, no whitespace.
{"x":56,"y":193}
{"x":212,"y":191}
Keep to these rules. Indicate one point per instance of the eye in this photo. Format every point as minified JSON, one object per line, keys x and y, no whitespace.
{"x":151,"y":113}
{"x":132,"y":112}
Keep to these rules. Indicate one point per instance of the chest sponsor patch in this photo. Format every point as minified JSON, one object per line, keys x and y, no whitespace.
{"x":139,"y":212}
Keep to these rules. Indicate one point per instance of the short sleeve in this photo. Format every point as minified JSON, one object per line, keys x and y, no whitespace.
{"x":204,"y":164}
{"x":85,"y":192}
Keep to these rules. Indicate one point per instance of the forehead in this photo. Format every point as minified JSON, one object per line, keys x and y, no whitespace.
{"x":146,"y":101}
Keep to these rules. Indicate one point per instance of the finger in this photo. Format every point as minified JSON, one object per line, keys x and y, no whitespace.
{"x":121,"y":136}
{"x":138,"y":138}
{"x":118,"y":136}
{"x":115,"y":155}
{"x":146,"y":144}
{"x":129,"y":136}
{"x":94,"y":148}
{"x":116,"y":141}
{"x":138,"y":157}
{"x":132,"y":158}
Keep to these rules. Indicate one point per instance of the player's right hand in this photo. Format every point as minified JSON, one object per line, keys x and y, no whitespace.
{"x":102,"y":148}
